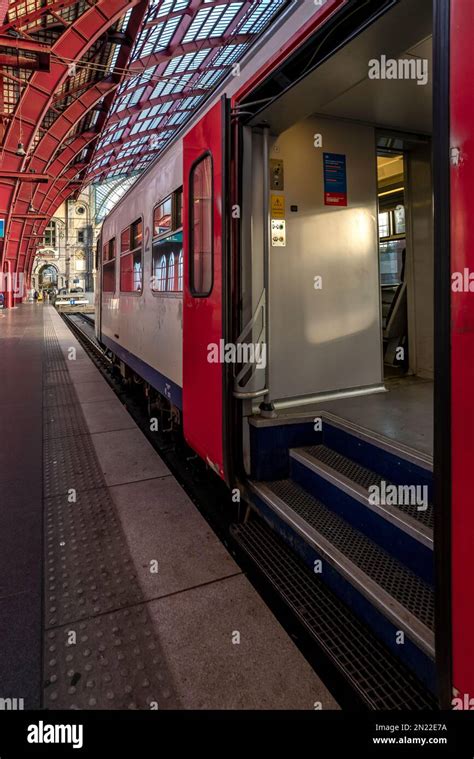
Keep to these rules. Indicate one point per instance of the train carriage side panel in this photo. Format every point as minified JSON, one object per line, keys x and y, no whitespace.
{"x":144,"y":329}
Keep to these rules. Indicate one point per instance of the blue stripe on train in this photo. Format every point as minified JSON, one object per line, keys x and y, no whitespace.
{"x":163,"y":384}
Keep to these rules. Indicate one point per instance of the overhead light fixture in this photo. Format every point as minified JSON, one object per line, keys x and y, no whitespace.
{"x":31,"y":208}
{"x":21,"y":149}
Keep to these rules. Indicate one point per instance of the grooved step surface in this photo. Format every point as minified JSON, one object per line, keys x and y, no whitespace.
{"x":363,"y":477}
{"x":383,"y":682}
{"x":404,"y":586}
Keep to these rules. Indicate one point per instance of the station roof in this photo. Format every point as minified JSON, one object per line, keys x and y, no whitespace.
{"x":93,"y":90}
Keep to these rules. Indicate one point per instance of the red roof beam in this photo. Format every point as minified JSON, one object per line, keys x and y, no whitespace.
{"x":43,"y":53}
{"x":24,"y":176}
{"x":16,"y":22}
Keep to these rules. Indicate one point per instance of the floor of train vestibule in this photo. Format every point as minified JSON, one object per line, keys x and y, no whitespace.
{"x":143,"y":606}
{"x":404,"y":413}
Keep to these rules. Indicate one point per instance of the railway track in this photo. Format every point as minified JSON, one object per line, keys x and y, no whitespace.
{"x":82,"y":326}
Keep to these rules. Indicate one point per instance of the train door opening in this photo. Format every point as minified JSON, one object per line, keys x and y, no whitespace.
{"x":337,"y":280}
{"x":340,"y":164}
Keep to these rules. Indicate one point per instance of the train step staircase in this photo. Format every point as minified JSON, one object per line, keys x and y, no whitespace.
{"x":350,"y":517}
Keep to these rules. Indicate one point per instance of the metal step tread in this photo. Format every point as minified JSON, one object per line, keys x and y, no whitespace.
{"x":372,"y":570}
{"x":373,"y":671}
{"x":362,"y":477}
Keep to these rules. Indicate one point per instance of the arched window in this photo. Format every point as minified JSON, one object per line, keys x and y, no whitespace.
{"x":180,"y":271}
{"x":160,"y":275}
{"x":170,"y":286}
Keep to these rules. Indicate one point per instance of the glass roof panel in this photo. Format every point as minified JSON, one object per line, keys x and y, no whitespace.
{"x":183,"y":47}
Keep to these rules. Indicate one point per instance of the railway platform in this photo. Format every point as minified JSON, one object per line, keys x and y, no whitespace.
{"x":115,"y":592}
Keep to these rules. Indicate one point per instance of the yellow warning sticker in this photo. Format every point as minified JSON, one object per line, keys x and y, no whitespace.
{"x":277,"y":207}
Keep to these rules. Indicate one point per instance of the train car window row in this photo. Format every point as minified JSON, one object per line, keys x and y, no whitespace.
{"x":167,"y":253}
{"x":131,"y":270}
{"x":201,"y":226}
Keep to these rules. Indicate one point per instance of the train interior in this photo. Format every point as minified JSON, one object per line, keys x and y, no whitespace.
{"x":345,"y":157}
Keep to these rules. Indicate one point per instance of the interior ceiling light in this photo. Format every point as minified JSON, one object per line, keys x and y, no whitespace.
{"x":21,"y":149}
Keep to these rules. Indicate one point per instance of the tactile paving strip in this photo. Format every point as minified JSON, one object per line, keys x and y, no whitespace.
{"x":115,"y":663}
{"x":88,"y":570}
{"x":363,"y":477}
{"x":383,"y":682}
{"x":70,"y":462}
{"x":57,"y":377}
{"x":91,"y":588}
{"x":59,"y":395}
{"x":56,"y":424}
{"x":403,"y":585}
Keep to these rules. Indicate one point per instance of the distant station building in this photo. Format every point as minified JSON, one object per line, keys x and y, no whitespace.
{"x":65,"y":253}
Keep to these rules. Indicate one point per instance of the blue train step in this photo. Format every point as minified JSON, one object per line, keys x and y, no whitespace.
{"x":397,"y":604}
{"x":391,"y":460}
{"x":399,"y":518}
{"x":375,"y":674}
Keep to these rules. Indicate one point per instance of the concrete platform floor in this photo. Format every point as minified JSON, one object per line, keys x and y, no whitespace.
{"x":143,"y":606}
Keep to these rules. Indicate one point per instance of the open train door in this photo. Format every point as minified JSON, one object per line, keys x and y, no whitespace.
{"x":205,"y":180}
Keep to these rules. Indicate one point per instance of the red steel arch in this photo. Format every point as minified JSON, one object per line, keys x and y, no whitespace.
{"x":32,"y":107}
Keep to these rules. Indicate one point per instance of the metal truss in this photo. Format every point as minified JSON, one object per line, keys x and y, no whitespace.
{"x":93,"y":90}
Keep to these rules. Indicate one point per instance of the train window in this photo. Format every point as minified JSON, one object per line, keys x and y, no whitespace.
{"x":159,"y":280}
{"x":180,"y":270}
{"x":170,"y":282}
{"x":399,"y":220}
{"x":136,"y":234}
{"x":178,"y":209}
{"x":108,"y":277}
{"x":201,"y":197}
{"x":125,"y":240}
{"x":162,"y":217}
{"x":108,"y":269}
{"x":131,"y":258}
{"x":384,"y":224}
{"x":109,"y":250}
{"x":166,"y":256}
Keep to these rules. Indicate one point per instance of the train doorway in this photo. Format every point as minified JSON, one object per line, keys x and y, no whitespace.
{"x":345,"y":153}
{"x":337,"y":167}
